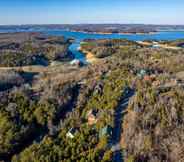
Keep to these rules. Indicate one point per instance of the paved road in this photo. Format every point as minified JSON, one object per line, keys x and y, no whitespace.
{"x":117,"y":130}
{"x":118,"y":119}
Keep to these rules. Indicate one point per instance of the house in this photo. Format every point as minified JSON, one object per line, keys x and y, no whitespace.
{"x":54,"y":63}
{"x":155,"y":46}
{"x":174,"y":81}
{"x":71,"y":133}
{"x":76,"y":62}
{"x":181,"y":45}
{"x":154,"y":42}
{"x":106,"y":131}
{"x":150,"y":78}
{"x":156,"y":83}
{"x":141,"y":73}
{"x":147,"y":78}
{"x":92,"y":117}
{"x":82,"y":82}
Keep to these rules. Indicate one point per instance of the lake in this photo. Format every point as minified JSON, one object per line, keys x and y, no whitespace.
{"x":79,"y":36}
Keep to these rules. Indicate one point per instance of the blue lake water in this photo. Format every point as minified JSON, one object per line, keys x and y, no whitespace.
{"x":79,"y":36}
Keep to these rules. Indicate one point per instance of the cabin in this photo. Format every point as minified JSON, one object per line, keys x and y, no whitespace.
{"x":71,"y":133}
{"x":106,"y":131}
{"x":92,"y":117}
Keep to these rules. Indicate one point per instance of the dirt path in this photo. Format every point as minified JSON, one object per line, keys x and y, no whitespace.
{"x":65,"y":67}
{"x":27,"y":68}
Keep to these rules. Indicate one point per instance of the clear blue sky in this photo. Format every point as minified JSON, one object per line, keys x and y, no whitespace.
{"x":91,"y":11}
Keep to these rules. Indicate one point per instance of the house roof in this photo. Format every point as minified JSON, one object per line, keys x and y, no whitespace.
{"x":142,"y":73}
{"x":75,"y":61}
{"x":107,"y":130}
{"x":72,"y":130}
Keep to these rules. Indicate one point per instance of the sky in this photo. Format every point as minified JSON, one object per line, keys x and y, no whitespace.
{"x":91,"y":11}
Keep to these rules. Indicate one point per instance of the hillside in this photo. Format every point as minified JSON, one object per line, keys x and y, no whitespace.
{"x":21,"y":49}
{"x":72,"y":113}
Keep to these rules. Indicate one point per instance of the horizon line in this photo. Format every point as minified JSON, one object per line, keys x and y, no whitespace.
{"x":93,"y":24}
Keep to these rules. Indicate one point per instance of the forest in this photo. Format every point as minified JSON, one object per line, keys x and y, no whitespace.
{"x":21,"y":49}
{"x":67,"y":113}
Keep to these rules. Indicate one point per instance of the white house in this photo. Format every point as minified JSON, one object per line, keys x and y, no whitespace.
{"x":71,"y":133}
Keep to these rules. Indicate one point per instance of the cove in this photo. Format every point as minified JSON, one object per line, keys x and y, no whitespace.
{"x":80,"y":36}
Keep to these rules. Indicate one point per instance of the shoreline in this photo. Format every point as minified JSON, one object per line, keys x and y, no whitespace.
{"x":121,"y":33}
{"x":89,"y":56}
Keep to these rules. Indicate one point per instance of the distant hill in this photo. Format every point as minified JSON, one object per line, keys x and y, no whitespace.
{"x":100,"y":28}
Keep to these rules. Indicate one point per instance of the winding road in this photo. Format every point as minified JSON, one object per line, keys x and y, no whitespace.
{"x":117,"y":130}
{"x":118,"y":121}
